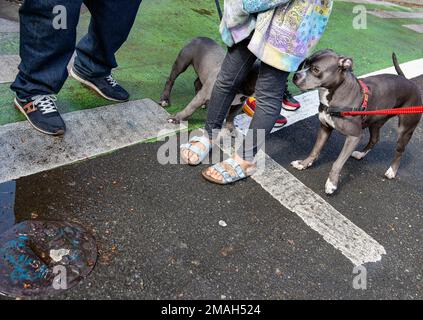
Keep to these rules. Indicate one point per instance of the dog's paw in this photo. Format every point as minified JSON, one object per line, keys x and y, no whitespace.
{"x":358,"y":155}
{"x":164,"y":103}
{"x":390,"y":174}
{"x":225,"y":132}
{"x":231,"y":130}
{"x":174,"y":120}
{"x":330,"y":188}
{"x":298,"y":164}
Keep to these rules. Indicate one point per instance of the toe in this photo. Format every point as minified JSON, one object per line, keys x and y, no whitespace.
{"x":192,"y":157}
{"x":212,"y":173}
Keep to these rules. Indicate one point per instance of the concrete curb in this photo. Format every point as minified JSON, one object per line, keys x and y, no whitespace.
{"x":24,"y":151}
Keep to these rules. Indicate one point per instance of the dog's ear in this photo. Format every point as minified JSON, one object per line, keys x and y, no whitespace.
{"x":345,"y":63}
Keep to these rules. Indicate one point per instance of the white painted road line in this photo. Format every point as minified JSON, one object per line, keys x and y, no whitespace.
{"x":396,"y":14}
{"x":337,"y":230}
{"x":412,"y":69}
{"x":319,"y":215}
{"x":415,"y":27}
{"x":24,"y":151}
{"x":309,"y":107}
{"x":377,"y":2}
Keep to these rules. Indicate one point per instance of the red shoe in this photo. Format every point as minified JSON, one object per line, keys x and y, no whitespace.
{"x":289,"y":103}
{"x":250,"y":107}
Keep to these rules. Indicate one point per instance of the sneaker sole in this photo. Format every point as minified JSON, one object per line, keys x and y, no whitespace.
{"x":17,"y":106}
{"x":289,"y":108}
{"x":92,"y":86}
{"x":280,"y":125}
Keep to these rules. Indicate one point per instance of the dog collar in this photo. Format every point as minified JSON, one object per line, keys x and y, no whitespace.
{"x":366,"y":93}
{"x":336,"y":111}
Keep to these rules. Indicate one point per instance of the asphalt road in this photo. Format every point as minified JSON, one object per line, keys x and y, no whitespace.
{"x":159,"y":236}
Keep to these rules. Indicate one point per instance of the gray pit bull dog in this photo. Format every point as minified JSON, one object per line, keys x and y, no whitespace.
{"x":206,"y":56}
{"x":340,"y":89}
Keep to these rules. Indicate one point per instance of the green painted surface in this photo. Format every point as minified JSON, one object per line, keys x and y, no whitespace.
{"x":164,"y":26}
{"x":9,"y":43}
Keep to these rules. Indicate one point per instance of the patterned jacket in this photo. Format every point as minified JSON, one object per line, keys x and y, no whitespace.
{"x":285,"y":31}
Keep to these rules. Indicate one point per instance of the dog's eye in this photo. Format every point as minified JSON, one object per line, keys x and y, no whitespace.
{"x":315,"y":69}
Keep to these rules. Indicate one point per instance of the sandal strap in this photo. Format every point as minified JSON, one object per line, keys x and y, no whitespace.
{"x":202,"y":154}
{"x":227,"y":178}
{"x":192,"y":148}
{"x":205,"y":141}
{"x":237,"y":168}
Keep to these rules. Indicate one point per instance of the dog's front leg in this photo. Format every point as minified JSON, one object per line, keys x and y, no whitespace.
{"x":200,"y":99}
{"x":350,"y":144}
{"x":322,"y":137}
{"x":233,"y":112}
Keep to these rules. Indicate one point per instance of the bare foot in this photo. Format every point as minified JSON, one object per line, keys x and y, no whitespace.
{"x":191,"y":157}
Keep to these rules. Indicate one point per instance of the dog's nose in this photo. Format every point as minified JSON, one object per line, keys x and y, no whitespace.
{"x":296,"y":77}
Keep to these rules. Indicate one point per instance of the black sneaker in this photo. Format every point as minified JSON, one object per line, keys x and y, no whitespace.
{"x":42,"y":114}
{"x":289,"y":102}
{"x":107,"y":87}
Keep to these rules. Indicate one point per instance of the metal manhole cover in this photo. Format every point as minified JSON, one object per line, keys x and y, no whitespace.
{"x":44,"y":258}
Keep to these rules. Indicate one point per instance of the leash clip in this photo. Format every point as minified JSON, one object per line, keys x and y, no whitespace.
{"x":334,"y":111}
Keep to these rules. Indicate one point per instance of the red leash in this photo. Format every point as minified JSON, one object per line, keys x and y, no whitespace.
{"x":363,"y":109}
{"x":407,"y":110}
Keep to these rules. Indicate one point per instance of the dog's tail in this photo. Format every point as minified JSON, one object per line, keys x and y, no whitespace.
{"x":397,"y":66}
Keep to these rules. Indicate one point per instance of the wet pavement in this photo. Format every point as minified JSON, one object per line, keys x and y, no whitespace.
{"x":160,"y":234}
{"x":7,"y":203}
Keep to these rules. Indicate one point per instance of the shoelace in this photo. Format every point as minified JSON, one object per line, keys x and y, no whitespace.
{"x":46,"y":104}
{"x":111,"y":81}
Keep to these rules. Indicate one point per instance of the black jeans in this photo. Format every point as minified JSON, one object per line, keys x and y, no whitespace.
{"x":45,"y":50}
{"x":269,"y":92}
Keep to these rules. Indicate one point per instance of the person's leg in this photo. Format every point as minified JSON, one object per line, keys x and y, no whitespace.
{"x":269,"y":97}
{"x":237,"y":64}
{"x":268,"y":100}
{"x":289,"y":103}
{"x":235,"y":67}
{"x":110,"y":25}
{"x":111,"y":22}
{"x":47,"y":42}
{"x":45,"y":51}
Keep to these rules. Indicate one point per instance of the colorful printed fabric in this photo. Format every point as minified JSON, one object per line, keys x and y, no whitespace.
{"x":283,"y":35}
{"x":253,"y":6}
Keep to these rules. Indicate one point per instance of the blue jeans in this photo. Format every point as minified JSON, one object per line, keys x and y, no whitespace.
{"x":46,"y":51}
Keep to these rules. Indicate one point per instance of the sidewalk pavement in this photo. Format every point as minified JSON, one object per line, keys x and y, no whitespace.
{"x":90,"y":133}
